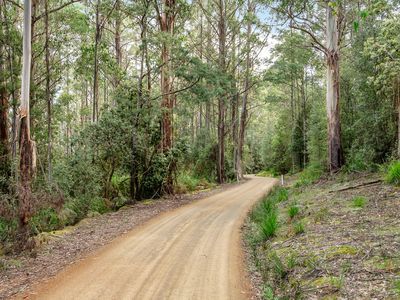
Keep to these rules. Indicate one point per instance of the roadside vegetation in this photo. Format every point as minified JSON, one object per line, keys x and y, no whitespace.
{"x":335,"y":238}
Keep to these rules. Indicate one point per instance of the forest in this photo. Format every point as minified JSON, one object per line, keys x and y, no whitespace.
{"x":108,"y":103}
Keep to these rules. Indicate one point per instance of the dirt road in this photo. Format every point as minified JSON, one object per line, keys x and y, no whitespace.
{"x":193,"y":252}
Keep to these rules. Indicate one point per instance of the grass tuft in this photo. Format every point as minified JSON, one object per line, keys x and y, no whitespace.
{"x":393,"y":174}
{"x":293,"y":210}
{"x":359,"y":202}
{"x":299,"y":227}
{"x":269,"y":225}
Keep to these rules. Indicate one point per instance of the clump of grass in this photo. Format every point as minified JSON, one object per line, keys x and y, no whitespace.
{"x":279,"y":269}
{"x":393,"y":174}
{"x":281,"y":195}
{"x":359,"y":202}
{"x":265,"y":215}
{"x":269,"y":225}
{"x":396,"y":287}
{"x":268,"y":293}
{"x":292,"y":261}
{"x":293,"y":210}
{"x":299,"y":227}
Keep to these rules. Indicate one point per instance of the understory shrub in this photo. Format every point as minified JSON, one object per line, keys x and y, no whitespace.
{"x":186,"y":182}
{"x":46,"y":219}
{"x":393,"y":174}
{"x":7,"y":228}
{"x":309,"y":175}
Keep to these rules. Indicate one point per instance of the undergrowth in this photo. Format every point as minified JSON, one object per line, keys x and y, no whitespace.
{"x":265,"y":216}
{"x":393,"y":174}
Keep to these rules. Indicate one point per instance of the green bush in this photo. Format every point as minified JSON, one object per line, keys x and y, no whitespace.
{"x":120,"y":185}
{"x":46,"y":219}
{"x":98,"y":205}
{"x":7,"y":228}
{"x":187,"y":182}
{"x":80,"y":206}
{"x":393,"y":174}
{"x":309,"y":176}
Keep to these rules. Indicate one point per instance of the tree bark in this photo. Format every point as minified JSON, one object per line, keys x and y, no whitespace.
{"x":335,"y":154}
{"x":117,"y":40}
{"x":221,"y":99}
{"x":167,"y":21}
{"x":95,"y":111}
{"x":48,"y":95}
{"x":27,"y":146}
{"x":5,"y":169}
{"x":243,"y":116}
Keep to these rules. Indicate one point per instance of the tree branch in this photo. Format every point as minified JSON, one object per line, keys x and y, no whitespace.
{"x":55,"y":9}
{"x":177,"y":91}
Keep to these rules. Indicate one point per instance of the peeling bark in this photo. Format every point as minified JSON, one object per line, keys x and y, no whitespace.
{"x":335,"y":154}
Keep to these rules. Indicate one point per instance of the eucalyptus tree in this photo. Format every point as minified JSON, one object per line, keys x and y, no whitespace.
{"x":306,"y":16}
{"x":27,"y":146}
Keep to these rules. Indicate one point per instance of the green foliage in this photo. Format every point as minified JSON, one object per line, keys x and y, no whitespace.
{"x":359,"y":201}
{"x":299,"y":227}
{"x":309,"y":176}
{"x":98,"y":205}
{"x":268,"y":293}
{"x":77,"y":208}
{"x":396,"y":286}
{"x":266,"y":173}
{"x":7,"y":228}
{"x":278,"y":267}
{"x":280,"y":194}
{"x":293,"y":210}
{"x":265,"y":215}
{"x":186,"y":182}
{"x":44,"y":220}
{"x":269,"y":224}
{"x":393,"y":174}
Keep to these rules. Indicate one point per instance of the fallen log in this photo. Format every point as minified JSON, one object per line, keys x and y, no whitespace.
{"x":356,"y":186}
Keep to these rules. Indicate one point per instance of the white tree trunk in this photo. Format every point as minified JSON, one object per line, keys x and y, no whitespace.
{"x":335,"y":157}
{"x":26,"y":65}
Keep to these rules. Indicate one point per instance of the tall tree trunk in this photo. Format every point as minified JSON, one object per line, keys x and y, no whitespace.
{"x":243,"y":116}
{"x":221,"y":99}
{"x":304,"y":109}
{"x":5,"y":169}
{"x":4,"y":103}
{"x":167,"y":22}
{"x":27,"y":146}
{"x":335,"y":154}
{"x":48,"y":96}
{"x":398,"y":114}
{"x":95,"y":111}
{"x":117,"y":38}
{"x":166,"y":103}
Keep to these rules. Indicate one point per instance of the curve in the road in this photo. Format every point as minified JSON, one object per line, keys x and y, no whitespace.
{"x":193,"y":252}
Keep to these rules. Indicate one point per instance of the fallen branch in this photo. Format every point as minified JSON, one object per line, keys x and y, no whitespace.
{"x":357,"y":186}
